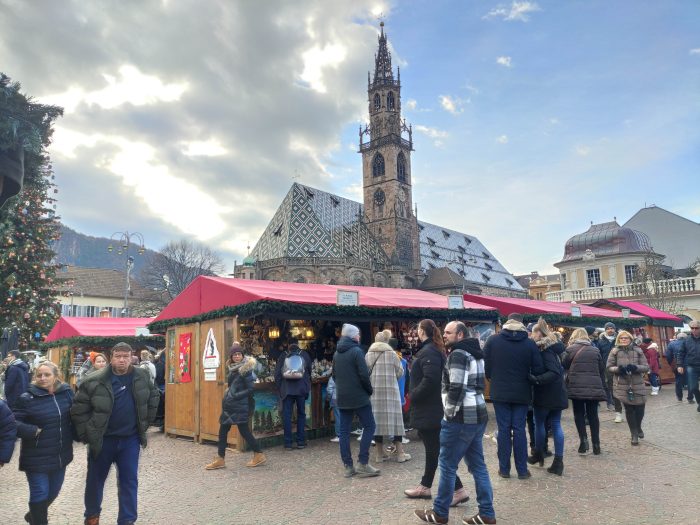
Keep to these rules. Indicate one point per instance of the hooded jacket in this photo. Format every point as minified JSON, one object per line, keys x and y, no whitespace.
{"x":238,"y":403}
{"x":352,"y":384}
{"x":36,"y":409}
{"x":548,"y":390}
{"x":463,"y":383}
{"x":93,"y":406}
{"x":8,"y":432}
{"x":426,"y":376}
{"x":510,"y":357}
{"x":651,"y":352}
{"x":16,"y":381}
{"x":586,"y":371}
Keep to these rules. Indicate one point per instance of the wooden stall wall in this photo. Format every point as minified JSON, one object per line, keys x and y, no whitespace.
{"x":181,"y":399}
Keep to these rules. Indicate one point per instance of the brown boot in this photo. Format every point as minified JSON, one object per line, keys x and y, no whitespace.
{"x":218,"y":463}
{"x":258,"y":459}
{"x":399,"y":453}
{"x":93,"y":520}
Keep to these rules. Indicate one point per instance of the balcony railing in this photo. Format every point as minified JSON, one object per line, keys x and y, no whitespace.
{"x":388,"y":139}
{"x":679,"y":286}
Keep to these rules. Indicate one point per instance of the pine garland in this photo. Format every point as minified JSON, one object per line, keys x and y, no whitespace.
{"x":136,"y":342}
{"x":331,"y":312}
{"x":567,"y":320}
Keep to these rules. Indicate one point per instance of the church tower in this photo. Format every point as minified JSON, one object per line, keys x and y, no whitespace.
{"x":386,"y":145}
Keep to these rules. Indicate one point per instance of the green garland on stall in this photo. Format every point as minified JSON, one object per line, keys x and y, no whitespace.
{"x":312,"y":311}
{"x":107,"y":342}
{"x":567,"y":320}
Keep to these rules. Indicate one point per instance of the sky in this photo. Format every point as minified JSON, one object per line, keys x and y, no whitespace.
{"x":191,"y":119}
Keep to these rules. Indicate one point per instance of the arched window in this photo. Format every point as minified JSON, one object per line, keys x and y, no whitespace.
{"x":378,"y":165}
{"x":390,"y":100}
{"x":401,"y":167}
{"x":377,"y":101}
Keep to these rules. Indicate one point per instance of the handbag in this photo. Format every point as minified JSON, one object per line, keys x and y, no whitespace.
{"x":571,"y":367}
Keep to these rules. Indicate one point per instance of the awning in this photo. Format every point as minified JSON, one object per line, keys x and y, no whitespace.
{"x":67,"y":327}
{"x":658,"y":317}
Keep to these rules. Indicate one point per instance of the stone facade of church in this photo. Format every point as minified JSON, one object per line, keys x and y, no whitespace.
{"x":317,"y":237}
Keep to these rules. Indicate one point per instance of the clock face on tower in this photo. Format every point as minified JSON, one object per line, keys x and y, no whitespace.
{"x":379,"y":197}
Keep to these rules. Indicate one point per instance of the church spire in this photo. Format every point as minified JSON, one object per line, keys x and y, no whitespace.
{"x":382,"y":61}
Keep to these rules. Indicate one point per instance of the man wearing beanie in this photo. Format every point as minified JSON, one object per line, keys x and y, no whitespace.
{"x":353,"y":390}
{"x":605,"y":343}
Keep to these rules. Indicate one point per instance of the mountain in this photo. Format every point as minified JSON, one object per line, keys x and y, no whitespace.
{"x":77,"y":249}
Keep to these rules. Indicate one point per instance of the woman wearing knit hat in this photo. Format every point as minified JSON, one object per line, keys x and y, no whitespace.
{"x":237,"y":406}
{"x":628,"y":365}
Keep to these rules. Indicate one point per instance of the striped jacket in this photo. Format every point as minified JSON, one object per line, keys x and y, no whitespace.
{"x":463,"y":381}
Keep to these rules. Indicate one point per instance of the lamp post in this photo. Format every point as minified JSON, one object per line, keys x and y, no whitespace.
{"x":71,"y":293}
{"x":125,"y":240}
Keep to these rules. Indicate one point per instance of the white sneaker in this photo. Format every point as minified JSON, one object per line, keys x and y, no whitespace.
{"x":336,"y":439}
{"x":405,"y":440}
{"x":357,"y":432}
{"x":618,"y":417}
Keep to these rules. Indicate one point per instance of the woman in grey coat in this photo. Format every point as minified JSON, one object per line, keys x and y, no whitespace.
{"x":584,"y":383}
{"x":384,"y":369}
{"x":628,"y":365}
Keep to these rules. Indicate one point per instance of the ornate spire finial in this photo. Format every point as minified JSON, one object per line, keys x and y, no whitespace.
{"x":382,"y":60}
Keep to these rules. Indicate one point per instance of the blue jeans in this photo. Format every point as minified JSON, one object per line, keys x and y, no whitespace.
{"x":287,"y":407}
{"x":124,"y":452}
{"x":692,"y":373}
{"x":336,"y":417}
{"x":45,"y":485}
{"x":463,"y":441}
{"x":654,"y":379}
{"x":510,"y":418}
{"x":553,"y":417}
{"x":366,"y":418}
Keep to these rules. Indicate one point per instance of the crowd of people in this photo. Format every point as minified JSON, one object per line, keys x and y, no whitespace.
{"x":532,"y":376}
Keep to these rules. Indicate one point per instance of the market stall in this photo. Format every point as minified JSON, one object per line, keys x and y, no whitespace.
{"x":204,"y":320}
{"x":73,"y":338}
{"x":660,"y":327}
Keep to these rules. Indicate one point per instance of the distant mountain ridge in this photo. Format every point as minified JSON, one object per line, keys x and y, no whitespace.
{"x":78,"y":249}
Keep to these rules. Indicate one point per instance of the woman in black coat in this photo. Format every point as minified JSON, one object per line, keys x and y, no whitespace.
{"x":8,"y":433}
{"x":426,"y":410}
{"x":549,"y":397}
{"x":44,"y":425}
{"x":237,"y":407}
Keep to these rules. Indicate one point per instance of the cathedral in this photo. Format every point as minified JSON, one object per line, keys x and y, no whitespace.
{"x":317,"y":237}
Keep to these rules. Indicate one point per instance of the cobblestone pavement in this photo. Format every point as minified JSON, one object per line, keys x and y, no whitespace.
{"x":657,"y":482}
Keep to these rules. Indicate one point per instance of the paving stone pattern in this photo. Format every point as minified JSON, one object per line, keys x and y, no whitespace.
{"x":657,"y":482}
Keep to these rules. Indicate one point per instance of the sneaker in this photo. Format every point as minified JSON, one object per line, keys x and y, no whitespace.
{"x":618,"y":417}
{"x":429,"y":516}
{"x":357,"y":432}
{"x":218,"y":463}
{"x":349,"y":471}
{"x":405,"y":440}
{"x":477,"y":520}
{"x":691,"y":401}
{"x":301,"y":446}
{"x":459,"y":496}
{"x":420,"y":492}
{"x":359,"y":438}
{"x":336,"y":439}
{"x":367,"y":471}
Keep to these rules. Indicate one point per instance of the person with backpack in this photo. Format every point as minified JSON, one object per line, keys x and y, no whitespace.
{"x":293,"y":380}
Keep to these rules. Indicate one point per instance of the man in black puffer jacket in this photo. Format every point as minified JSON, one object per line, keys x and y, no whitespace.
{"x":353,"y":389}
{"x":689,"y":359}
{"x":112,"y":411}
{"x":510,"y":357}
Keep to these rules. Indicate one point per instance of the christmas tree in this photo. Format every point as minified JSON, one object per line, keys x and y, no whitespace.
{"x":28,"y":223}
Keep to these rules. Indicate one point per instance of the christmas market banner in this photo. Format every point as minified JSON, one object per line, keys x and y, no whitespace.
{"x":185,"y":357}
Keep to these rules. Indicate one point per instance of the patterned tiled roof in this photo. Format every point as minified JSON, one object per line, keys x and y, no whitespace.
{"x":312,"y":221}
{"x":97,"y":282}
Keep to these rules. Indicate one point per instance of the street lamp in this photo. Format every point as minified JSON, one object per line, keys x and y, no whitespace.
{"x":124,"y":240}
{"x":71,"y":293}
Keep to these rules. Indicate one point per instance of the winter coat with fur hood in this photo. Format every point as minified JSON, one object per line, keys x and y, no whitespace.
{"x":621,"y":356}
{"x":548,"y":389}
{"x":238,"y":403}
{"x":385,"y":368}
{"x":585,"y":371}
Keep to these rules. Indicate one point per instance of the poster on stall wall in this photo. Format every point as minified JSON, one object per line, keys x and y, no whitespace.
{"x":185,"y":357}
{"x":211,"y":352}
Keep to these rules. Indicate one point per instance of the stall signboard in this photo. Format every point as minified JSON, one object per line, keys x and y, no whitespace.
{"x":625,"y":313}
{"x":575,"y":311}
{"x":142,"y":331}
{"x":211,"y":357}
{"x":455,"y":302}
{"x":348,"y":298}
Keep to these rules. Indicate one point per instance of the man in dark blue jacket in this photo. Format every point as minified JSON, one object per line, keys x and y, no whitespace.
{"x":8,"y":433}
{"x":16,"y":378}
{"x":671,"y":356}
{"x":510,"y":357}
{"x":689,"y":359}
{"x":294,"y":391}
{"x":353,"y":390}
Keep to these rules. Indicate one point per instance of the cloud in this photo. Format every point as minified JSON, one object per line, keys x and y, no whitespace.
{"x":203,"y":148}
{"x":452,"y":105}
{"x":436,"y":134}
{"x":519,"y":11}
{"x":504,"y":61}
{"x":316,"y":59}
{"x":694,"y":51}
{"x":582,"y":150}
{"x":503,"y":139}
{"x":411,"y":104}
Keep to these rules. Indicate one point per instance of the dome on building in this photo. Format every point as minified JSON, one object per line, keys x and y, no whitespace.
{"x":607,"y":238}
{"x":250,"y":261}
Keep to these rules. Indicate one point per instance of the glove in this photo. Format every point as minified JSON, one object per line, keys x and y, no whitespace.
{"x":621,"y":370}
{"x":631,"y":369}
{"x":533,"y":379}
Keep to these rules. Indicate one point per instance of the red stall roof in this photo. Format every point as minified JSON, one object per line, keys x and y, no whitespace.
{"x":646,"y":311}
{"x":96,"y":327}
{"x":206,"y":294}
{"x":509,"y":305}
